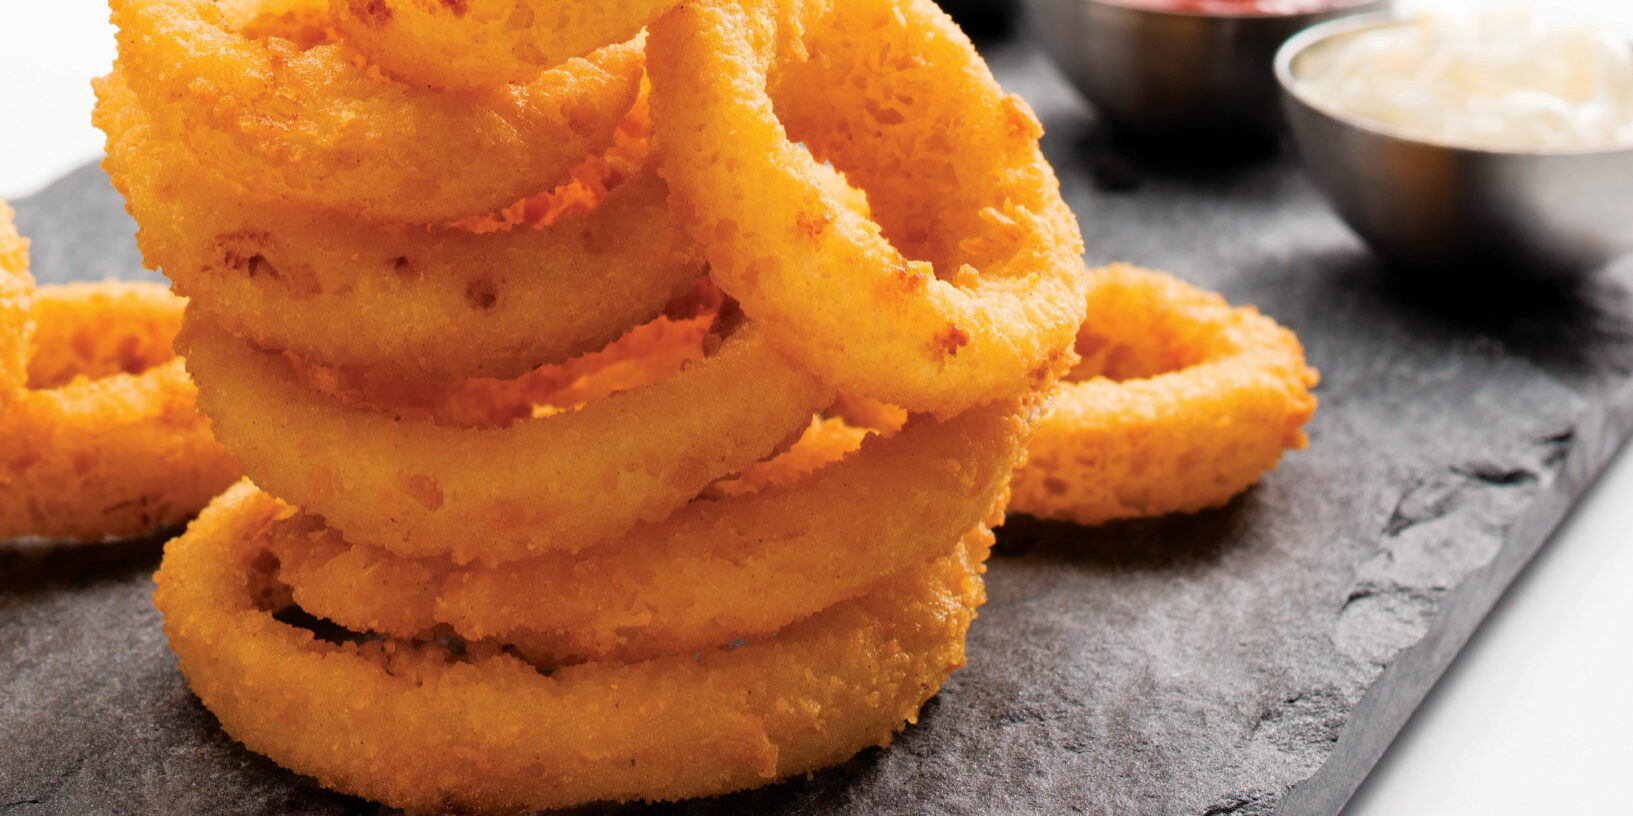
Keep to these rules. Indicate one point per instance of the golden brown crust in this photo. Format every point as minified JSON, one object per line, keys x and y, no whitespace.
{"x":417,"y":728}
{"x":108,"y":442}
{"x":713,"y":572}
{"x":717,"y":604}
{"x":1180,"y":403}
{"x":16,"y":317}
{"x":967,"y":277}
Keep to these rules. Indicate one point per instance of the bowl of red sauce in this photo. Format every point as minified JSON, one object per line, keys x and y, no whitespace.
{"x":1180,"y":67}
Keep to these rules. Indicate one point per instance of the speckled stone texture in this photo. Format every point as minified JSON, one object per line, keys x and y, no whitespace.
{"x":1256,"y":659}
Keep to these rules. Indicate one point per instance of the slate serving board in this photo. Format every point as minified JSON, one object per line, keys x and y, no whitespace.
{"x":1256,"y":659}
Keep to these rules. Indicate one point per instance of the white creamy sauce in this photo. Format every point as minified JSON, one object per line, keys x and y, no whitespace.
{"x":1504,"y":79}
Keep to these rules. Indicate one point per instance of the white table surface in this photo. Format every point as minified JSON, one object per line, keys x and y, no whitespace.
{"x":1534,"y":717}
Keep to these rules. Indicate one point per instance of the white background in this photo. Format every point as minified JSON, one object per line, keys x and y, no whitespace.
{"x":1535,"y":716}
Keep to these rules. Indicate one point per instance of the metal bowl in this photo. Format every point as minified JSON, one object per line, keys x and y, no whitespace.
{"x":1449,"y":208}
{"x":1166,"y":72}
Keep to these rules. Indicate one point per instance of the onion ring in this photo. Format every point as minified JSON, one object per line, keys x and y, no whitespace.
{"x":16,"y":319}
{"x":713,"y":572}
{"x":424,"y":303}
{"x":1181,"y":403}
{"x":107,"y":442}
{"x":898,"y":100}
{"x":562,"y":482}
{"x":317,"y":128}
{"x":96,"y":330}
{"x":477,"y":43}
{"x":421,"y":729}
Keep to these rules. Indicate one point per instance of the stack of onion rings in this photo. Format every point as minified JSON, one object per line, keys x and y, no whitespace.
{"x":1180,"y":403}
{"x":98,"y":427}
{"x":479,"y":43}
{"x":501,"y":435}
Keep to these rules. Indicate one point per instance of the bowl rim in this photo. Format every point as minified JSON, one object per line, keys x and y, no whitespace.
{"x":1332,"y":29}
{"x":1133,"y":6}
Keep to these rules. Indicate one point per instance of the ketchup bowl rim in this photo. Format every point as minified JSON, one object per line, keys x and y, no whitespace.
{"x":1141,"y":6}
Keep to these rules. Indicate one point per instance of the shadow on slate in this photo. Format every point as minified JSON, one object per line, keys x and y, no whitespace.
{"x":1253,"y":659}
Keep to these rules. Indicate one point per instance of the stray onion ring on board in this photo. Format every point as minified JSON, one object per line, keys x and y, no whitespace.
{"x":100,"y":436}
{"x":112,"y":457}
{"x":1180,"y":403}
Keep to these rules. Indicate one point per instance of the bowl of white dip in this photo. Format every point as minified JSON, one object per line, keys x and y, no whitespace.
{"x":1469,"y":144}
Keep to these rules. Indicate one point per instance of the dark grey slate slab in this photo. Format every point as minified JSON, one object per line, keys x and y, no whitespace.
{"x":1251,"y":660}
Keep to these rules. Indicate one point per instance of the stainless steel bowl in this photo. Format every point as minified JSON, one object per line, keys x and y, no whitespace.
{"x":1167,"y":72}
{"x":1448,"y":208}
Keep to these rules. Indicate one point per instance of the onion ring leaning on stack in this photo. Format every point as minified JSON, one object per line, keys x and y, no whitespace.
{"x":898,"y":100}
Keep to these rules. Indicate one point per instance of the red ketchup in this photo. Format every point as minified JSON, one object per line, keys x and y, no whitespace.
{"x":1238,"y":8}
